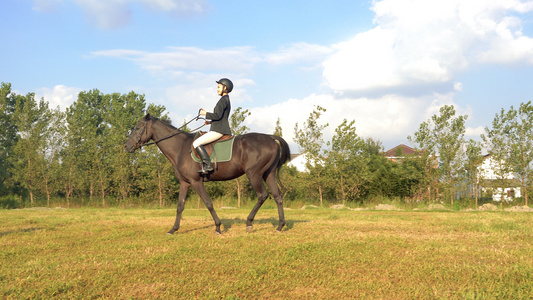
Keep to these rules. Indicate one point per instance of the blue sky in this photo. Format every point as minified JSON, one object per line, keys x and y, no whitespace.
{"x":389,"y":65}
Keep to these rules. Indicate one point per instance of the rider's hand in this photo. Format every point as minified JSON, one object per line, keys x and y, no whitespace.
{"x":203,"y":112}
{"x":207,"y":122}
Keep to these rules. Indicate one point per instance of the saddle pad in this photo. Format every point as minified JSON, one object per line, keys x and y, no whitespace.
{"x":222,"y":151}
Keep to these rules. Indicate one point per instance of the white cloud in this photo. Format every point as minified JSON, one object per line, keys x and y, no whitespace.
{"x":60,"y":95}
{"x":298,"y":52}
{"x":474,"y":133}
{"x":46,"y":6}
{"x":236,"y":59}
{"x":232,"y":59}
{"x":389,"y":119}
{"x":113,"y":14}
{"x":176,"y":6}
{"x":419,"y":42}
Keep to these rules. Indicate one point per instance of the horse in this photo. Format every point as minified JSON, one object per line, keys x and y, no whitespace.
{"x":257,"y":155}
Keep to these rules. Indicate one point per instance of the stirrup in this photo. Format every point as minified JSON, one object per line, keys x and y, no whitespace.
{"x":206,"y":170}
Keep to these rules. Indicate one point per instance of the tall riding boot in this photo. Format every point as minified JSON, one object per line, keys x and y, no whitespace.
{"x":206,"y":161}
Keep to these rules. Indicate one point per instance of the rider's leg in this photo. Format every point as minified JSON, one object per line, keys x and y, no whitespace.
{"x":207,"y":138}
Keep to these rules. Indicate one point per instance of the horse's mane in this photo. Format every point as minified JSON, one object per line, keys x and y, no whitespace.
{"x":168,"y":122}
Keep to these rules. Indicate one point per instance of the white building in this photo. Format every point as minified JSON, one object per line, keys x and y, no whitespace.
{"x":488,"y":174}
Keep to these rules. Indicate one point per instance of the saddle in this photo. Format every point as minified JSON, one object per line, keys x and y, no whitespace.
{"x":219,"y":150}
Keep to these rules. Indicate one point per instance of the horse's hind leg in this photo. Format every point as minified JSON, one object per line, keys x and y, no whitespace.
{"x":276,"y":193}
{"x":262,"y":195}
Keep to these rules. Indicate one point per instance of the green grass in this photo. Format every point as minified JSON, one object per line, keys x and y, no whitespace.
{"x":323,"y":254}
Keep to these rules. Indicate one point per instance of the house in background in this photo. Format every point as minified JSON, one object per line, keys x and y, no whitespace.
{"x":488,"y":174}
{"x":397,"y":153}
{"x":489,"y":178}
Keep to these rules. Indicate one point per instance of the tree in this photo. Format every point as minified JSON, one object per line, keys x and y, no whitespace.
{"x":32,"y":120}
{"x":309,"y":141}
{"x":156,"y":173}
{"x":84,"y":153}
{"x":278,"y":131}
{"x":498,"y":144}
{"x":521,"y":138}
{"x":443,"y":134}
{"x":8,"y":132}
{"x":473,"y":163}
{"x":122,"y":113}
{"x":348,"y":162}
{"x":236,"y":124}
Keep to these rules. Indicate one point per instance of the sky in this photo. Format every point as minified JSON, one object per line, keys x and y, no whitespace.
{"x":389,"y":65}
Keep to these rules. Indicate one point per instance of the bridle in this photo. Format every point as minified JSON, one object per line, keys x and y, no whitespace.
{"x":140,"y":144}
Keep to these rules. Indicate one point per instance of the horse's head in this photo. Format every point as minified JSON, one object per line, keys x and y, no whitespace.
{"x":139,"y":135}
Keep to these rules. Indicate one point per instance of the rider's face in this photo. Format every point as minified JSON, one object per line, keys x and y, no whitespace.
{"x":220,"y":89}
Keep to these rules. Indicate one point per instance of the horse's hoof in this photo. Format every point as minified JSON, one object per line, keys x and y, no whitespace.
{"x":217,"y":232}
{"x":249,"y":228}
{"x":279,"y":230}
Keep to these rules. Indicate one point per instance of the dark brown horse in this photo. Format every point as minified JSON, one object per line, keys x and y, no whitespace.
{"x":257,"y":155}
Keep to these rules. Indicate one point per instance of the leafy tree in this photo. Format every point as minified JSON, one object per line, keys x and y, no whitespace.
{"x":85,"y":121}
{"x":521,"y":138}
{"x":53,"y":143}
{"x":8,"y":132}
{"x":473,"y":163}
{"x":443,"y":134}
{"x":122,"y":113}
{"x":237,"y":119}
{"x":348,"y":161}
{"x":155,"y":174}
{"x":278,"y":131}
{"x":498,"y":144}
{"x":32,"y":120}
{"x":309,"y":141}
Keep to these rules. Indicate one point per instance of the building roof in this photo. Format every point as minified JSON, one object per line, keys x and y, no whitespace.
{"x":403,"y":149}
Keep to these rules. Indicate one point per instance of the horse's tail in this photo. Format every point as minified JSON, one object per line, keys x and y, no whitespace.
{"x":284,"y":155}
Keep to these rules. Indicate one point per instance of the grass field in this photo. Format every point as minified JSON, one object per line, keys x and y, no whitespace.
{"x":322,"y":254}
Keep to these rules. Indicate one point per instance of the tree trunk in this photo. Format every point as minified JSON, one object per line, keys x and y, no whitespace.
{"x":47,"y":194}
{"x":239,"y":189}
{"x":160,"y":187}
{"x":476,"y":193}
{"x":343,"y":194}
{"x":320,"y":195}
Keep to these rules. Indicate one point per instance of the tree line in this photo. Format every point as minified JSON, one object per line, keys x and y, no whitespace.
{"x":76,"y":157}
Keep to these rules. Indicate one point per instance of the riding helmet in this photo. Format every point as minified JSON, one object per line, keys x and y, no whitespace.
{"x":227,"y":83}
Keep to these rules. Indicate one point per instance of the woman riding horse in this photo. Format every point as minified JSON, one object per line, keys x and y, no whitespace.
{"x":219,"y":124}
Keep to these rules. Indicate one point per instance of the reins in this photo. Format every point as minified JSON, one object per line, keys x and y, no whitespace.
{"x":174,"y":133}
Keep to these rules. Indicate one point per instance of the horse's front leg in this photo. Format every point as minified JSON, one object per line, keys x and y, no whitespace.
{"x":184,"y":188}
{"x":200,"y":190}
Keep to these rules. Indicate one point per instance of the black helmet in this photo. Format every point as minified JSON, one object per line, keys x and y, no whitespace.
{"x":227,"y":83}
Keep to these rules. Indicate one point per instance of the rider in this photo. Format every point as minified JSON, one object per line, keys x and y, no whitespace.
{"x":219,"y":124}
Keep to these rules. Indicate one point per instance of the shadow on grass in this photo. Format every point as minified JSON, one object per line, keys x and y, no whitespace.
{"x":20,"y":230}
{"x":228,"y":223}
{"x":289,"y":224}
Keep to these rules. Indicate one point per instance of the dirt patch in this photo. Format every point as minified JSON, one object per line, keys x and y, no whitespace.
{"x":520,"y":209}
